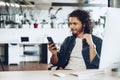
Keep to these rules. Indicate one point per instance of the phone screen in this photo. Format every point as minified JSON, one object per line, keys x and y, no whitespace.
{"x":50,"y":39}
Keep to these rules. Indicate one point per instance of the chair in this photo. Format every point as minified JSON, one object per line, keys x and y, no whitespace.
{"x":29,"y":53}
{"x":1,"y":64}
{"x":53,"y":67}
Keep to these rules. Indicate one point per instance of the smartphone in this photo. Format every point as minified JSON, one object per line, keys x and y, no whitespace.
{"x":51,"y":41}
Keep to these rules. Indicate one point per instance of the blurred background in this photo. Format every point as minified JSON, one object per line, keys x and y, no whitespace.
{"x":33,"y":21}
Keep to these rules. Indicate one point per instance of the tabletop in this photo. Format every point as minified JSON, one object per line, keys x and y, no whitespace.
{"x":50,"y":75}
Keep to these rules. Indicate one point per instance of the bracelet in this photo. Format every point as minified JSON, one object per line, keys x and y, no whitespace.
{"x":94,"y":47}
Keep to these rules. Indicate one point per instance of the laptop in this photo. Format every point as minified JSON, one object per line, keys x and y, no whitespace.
{"x":24,"y":39}
{"x":110,"y":53}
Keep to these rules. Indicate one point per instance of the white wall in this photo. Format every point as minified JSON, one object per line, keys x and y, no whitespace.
{"x":35,"y":35}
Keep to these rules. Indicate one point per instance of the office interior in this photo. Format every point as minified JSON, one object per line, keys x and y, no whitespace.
{"x":25,"y":24}
{"x":19,"y":22}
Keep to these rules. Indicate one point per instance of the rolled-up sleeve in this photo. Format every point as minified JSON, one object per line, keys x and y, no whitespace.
{"x":96,"y":60}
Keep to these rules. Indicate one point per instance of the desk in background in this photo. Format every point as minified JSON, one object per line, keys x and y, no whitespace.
{"x":16,"y":53}
{"x":36,"y":36}
{"x":12,"y":52}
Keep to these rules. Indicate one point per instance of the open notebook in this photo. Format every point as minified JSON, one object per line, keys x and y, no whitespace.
{"x":87,"y":72}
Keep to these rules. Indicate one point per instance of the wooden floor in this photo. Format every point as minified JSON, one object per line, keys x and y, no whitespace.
{"x":26,"y":66}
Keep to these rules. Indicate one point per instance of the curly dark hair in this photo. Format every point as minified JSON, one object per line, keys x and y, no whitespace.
{"x":84,"y":17}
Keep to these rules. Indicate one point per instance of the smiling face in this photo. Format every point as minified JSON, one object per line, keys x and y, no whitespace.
{"x":76,"y":26}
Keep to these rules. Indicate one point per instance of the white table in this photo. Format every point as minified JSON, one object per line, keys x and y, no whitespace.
{"x":48,"y":75}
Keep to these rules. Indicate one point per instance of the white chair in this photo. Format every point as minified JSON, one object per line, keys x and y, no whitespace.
{"x":28,"y":54}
